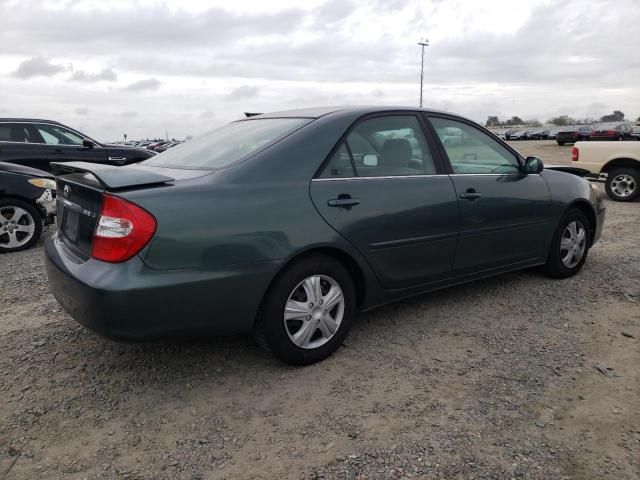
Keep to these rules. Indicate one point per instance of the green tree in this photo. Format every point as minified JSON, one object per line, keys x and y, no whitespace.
{"x":492,"y":121}
{"x":515,"y":120}
{"x":562,"y":120}
{"x":616,"y":116}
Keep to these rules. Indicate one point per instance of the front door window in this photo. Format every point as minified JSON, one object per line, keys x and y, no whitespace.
{"x":472,"y":151}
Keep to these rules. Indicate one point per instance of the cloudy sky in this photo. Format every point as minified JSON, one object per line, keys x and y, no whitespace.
{"x":148,"y":67}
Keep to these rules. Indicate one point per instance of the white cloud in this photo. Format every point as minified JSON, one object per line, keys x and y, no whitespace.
{"x":186,"y":66}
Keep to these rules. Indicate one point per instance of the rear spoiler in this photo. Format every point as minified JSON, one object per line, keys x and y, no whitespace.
{"x":110,"y":176}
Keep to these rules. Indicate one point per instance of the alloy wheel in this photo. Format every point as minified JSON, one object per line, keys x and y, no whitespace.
{"x":314,"y":311}
{"x":623,"y":185}
{"x":573,"y":244}
{"x":17,"y":226}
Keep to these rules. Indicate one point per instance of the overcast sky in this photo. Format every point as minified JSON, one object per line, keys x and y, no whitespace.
{"x":146,"y":67}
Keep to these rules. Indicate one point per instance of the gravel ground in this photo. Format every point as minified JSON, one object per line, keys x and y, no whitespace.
{"x":491,"y":380}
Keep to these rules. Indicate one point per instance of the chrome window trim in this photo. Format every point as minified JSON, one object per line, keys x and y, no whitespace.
{"x":81,"y":135}
{"x":49,"y":144}
{"x":385,"y":177}
{"x":443,"y":175}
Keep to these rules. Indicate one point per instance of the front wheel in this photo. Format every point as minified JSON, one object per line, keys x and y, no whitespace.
{"x":623,"y":184}
{"x":569,"y":246}
{"x":20,"y":225}
{"x":561,"y":143}
{"x":308,"y":311}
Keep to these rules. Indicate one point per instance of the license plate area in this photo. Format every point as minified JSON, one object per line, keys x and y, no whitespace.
{"x":70,"y":223}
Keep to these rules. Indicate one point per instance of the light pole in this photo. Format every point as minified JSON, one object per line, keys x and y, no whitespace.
{"x":423,"y":43}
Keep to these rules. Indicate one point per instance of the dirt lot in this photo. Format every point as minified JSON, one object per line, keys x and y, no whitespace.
{"x":491,"y":380}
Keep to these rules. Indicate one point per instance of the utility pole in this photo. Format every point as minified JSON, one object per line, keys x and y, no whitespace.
{"x":423,"y":43}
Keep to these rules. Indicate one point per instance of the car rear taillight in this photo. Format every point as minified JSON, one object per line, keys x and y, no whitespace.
{"x":575,"y":153}
{"x":122,"y":230}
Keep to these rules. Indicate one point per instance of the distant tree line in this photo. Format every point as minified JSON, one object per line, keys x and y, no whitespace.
{"x":560,"y":121}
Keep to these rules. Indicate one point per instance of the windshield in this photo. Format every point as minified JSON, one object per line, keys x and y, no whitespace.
{"x":226,"y":145}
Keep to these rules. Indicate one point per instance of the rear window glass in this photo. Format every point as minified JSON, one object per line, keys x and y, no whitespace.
{"x":226,"y":145}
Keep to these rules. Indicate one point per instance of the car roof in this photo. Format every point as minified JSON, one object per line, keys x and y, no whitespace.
{"x":31,"y":120}
{"x":317,"y":112}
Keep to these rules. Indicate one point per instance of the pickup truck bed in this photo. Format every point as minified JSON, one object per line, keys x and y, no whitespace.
{"x":615,"y":163}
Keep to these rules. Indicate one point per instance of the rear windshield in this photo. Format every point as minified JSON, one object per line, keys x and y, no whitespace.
{"x":226,"y":145}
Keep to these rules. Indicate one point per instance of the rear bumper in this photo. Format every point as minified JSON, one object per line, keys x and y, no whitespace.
{"x":129,"y":301}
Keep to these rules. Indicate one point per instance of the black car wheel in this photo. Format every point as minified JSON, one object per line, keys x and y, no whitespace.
{"x":308,"y":311}
{"x":20,"y":225}
{"x":623,"y":184}
{"x":561,"y":143}
{"x":569,"y":246}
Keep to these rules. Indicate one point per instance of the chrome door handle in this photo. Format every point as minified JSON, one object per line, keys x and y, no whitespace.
{"x":470,"y":195}
{"x":343,"y":201}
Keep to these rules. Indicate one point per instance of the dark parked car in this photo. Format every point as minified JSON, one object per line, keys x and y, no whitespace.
{"x":573,"y":135}
{"x":287,"y":224}
{"x":619,"y":132}
{"x":34,"y":143}
{"x":27,"y":201}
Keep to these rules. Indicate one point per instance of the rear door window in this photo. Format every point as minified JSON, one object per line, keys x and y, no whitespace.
{"x":13,"y":132}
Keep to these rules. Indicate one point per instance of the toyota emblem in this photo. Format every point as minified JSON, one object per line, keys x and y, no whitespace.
{"x":66,"y":191}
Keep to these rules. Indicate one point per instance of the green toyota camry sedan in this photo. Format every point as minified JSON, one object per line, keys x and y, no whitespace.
{"x":288,"y":224}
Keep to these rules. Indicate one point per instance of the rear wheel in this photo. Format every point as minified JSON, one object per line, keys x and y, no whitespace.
{"x":623,"y":184}
{"x":561,"y":143}
{"x":569,"y":246}
{"x":308,"y":311}
{"x":20,"y":225}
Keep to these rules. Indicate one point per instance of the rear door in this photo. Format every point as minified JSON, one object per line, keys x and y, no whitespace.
{"x":504,"y":213}
{"x":16,"y":147}
{"x":65,"y":145}
{"x":382,"y":190}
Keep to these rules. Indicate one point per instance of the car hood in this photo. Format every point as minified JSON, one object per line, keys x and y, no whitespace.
{"x":125,"y":150}
{"x":21,"y":169}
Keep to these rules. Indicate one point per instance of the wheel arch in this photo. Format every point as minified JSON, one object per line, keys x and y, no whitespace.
{"x":28,"y":200}
{"x":344,"y":258}
{"x":620,"y":163}
{"x":586,"y":208}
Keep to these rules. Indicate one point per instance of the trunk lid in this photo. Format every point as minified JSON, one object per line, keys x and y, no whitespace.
{"x":81,"y":187}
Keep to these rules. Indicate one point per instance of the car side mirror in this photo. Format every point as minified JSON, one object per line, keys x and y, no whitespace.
{"x":88,"y":143}
{"x":533,"y":165}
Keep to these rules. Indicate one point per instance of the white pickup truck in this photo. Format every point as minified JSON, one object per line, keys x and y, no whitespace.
{"x":617,"y":164}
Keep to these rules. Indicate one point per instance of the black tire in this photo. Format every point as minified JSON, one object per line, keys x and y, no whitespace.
{"x":4,"y":227}
{"x":270,"y":331}
{"x":615,"y":174}
{"x":561,"y":143}
{"x":554,"y":267}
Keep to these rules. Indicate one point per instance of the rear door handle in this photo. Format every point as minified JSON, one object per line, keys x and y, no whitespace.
{"x":58,"y":152}
{"x":470,"y":195}
{"x":344,"y":201}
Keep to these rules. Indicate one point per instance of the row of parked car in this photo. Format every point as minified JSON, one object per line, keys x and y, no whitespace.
{"x":157,"y":146}
{"x":27,"y":186}
{"x":577,"y":133}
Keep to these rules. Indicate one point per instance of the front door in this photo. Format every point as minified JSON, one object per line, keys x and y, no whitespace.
{"x":504,"y":216}
{"x":64,"y":145}
{"x":381,"y":190}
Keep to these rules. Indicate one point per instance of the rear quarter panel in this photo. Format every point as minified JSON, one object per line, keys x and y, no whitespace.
{"x":258,"y":210}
